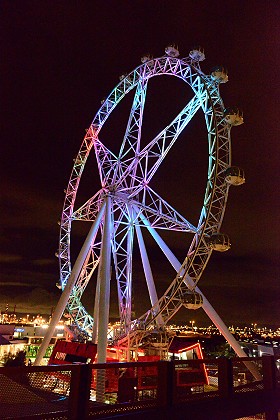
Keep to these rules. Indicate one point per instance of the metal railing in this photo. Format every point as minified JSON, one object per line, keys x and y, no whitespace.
{"x":73,"y":391}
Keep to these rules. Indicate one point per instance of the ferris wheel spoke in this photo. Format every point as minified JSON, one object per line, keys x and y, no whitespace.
{"x":185,"y":281}
{"x":106,"y":161}
{"x":79,"y":313}
{"x":84,"y":252}
{"x":130,"y":147}
{"x":160,"y":214}
{"x":148,"y":275}
{"x":122,"y":242}
{"x":89,"y":210}
{"x":153,"y":154}
{"x":110,"y":166}
{"x":89,"y":267}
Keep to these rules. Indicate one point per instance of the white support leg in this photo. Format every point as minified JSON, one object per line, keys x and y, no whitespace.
{"x":104,"y":274}
{"x":207,"y":307}
{"x":95,"y":312}
{"x":129,"y":247}
{"x":148,"y":273}
{"x":60,"y":307}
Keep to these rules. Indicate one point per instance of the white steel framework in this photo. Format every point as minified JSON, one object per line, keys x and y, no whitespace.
{"x":125,"y":184}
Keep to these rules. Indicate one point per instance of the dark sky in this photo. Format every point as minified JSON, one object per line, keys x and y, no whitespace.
{"x":60,"y":58}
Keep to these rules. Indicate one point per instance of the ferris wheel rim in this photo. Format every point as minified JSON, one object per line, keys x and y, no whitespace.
{"x":185,"y":67}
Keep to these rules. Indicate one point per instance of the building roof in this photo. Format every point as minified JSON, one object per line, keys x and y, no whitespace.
{"x":180,"y":343}
{"x":3,"y":341}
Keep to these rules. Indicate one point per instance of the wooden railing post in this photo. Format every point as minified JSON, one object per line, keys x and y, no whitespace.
{"x":162,"y":392}
{"x":269,"y":373}
{"x":270,"y":385}
{"x":80,"y":392}
{"x":165,"y":383}
{"x":170,"y":383}
{"x":225,"y":377}
{"x":162,"y":383}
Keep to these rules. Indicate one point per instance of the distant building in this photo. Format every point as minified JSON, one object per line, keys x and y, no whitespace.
{"x":258,"y":350}
{"x":7,"y":331}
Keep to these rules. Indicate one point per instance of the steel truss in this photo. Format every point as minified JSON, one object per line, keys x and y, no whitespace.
{"x":126,"y":177}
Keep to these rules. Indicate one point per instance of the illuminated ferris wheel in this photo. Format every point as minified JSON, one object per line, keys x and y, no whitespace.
{"x":126,"y":205}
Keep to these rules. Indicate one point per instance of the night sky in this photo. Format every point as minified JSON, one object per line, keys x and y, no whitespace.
{"x":59,"y":59}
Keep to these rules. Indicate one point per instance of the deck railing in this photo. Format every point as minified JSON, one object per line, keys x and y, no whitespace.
{"x":211,"y":389}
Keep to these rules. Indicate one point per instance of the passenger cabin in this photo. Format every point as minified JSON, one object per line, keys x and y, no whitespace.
{"x":146,"y":57}
{"x":233,"y":116}
{"x":219,"y":242}
{"x":172,"y":50}
{"x":234,"y":175}
{"x":192,"y":300}
{"x":197,"y":54}
{"x":219,"y":74}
